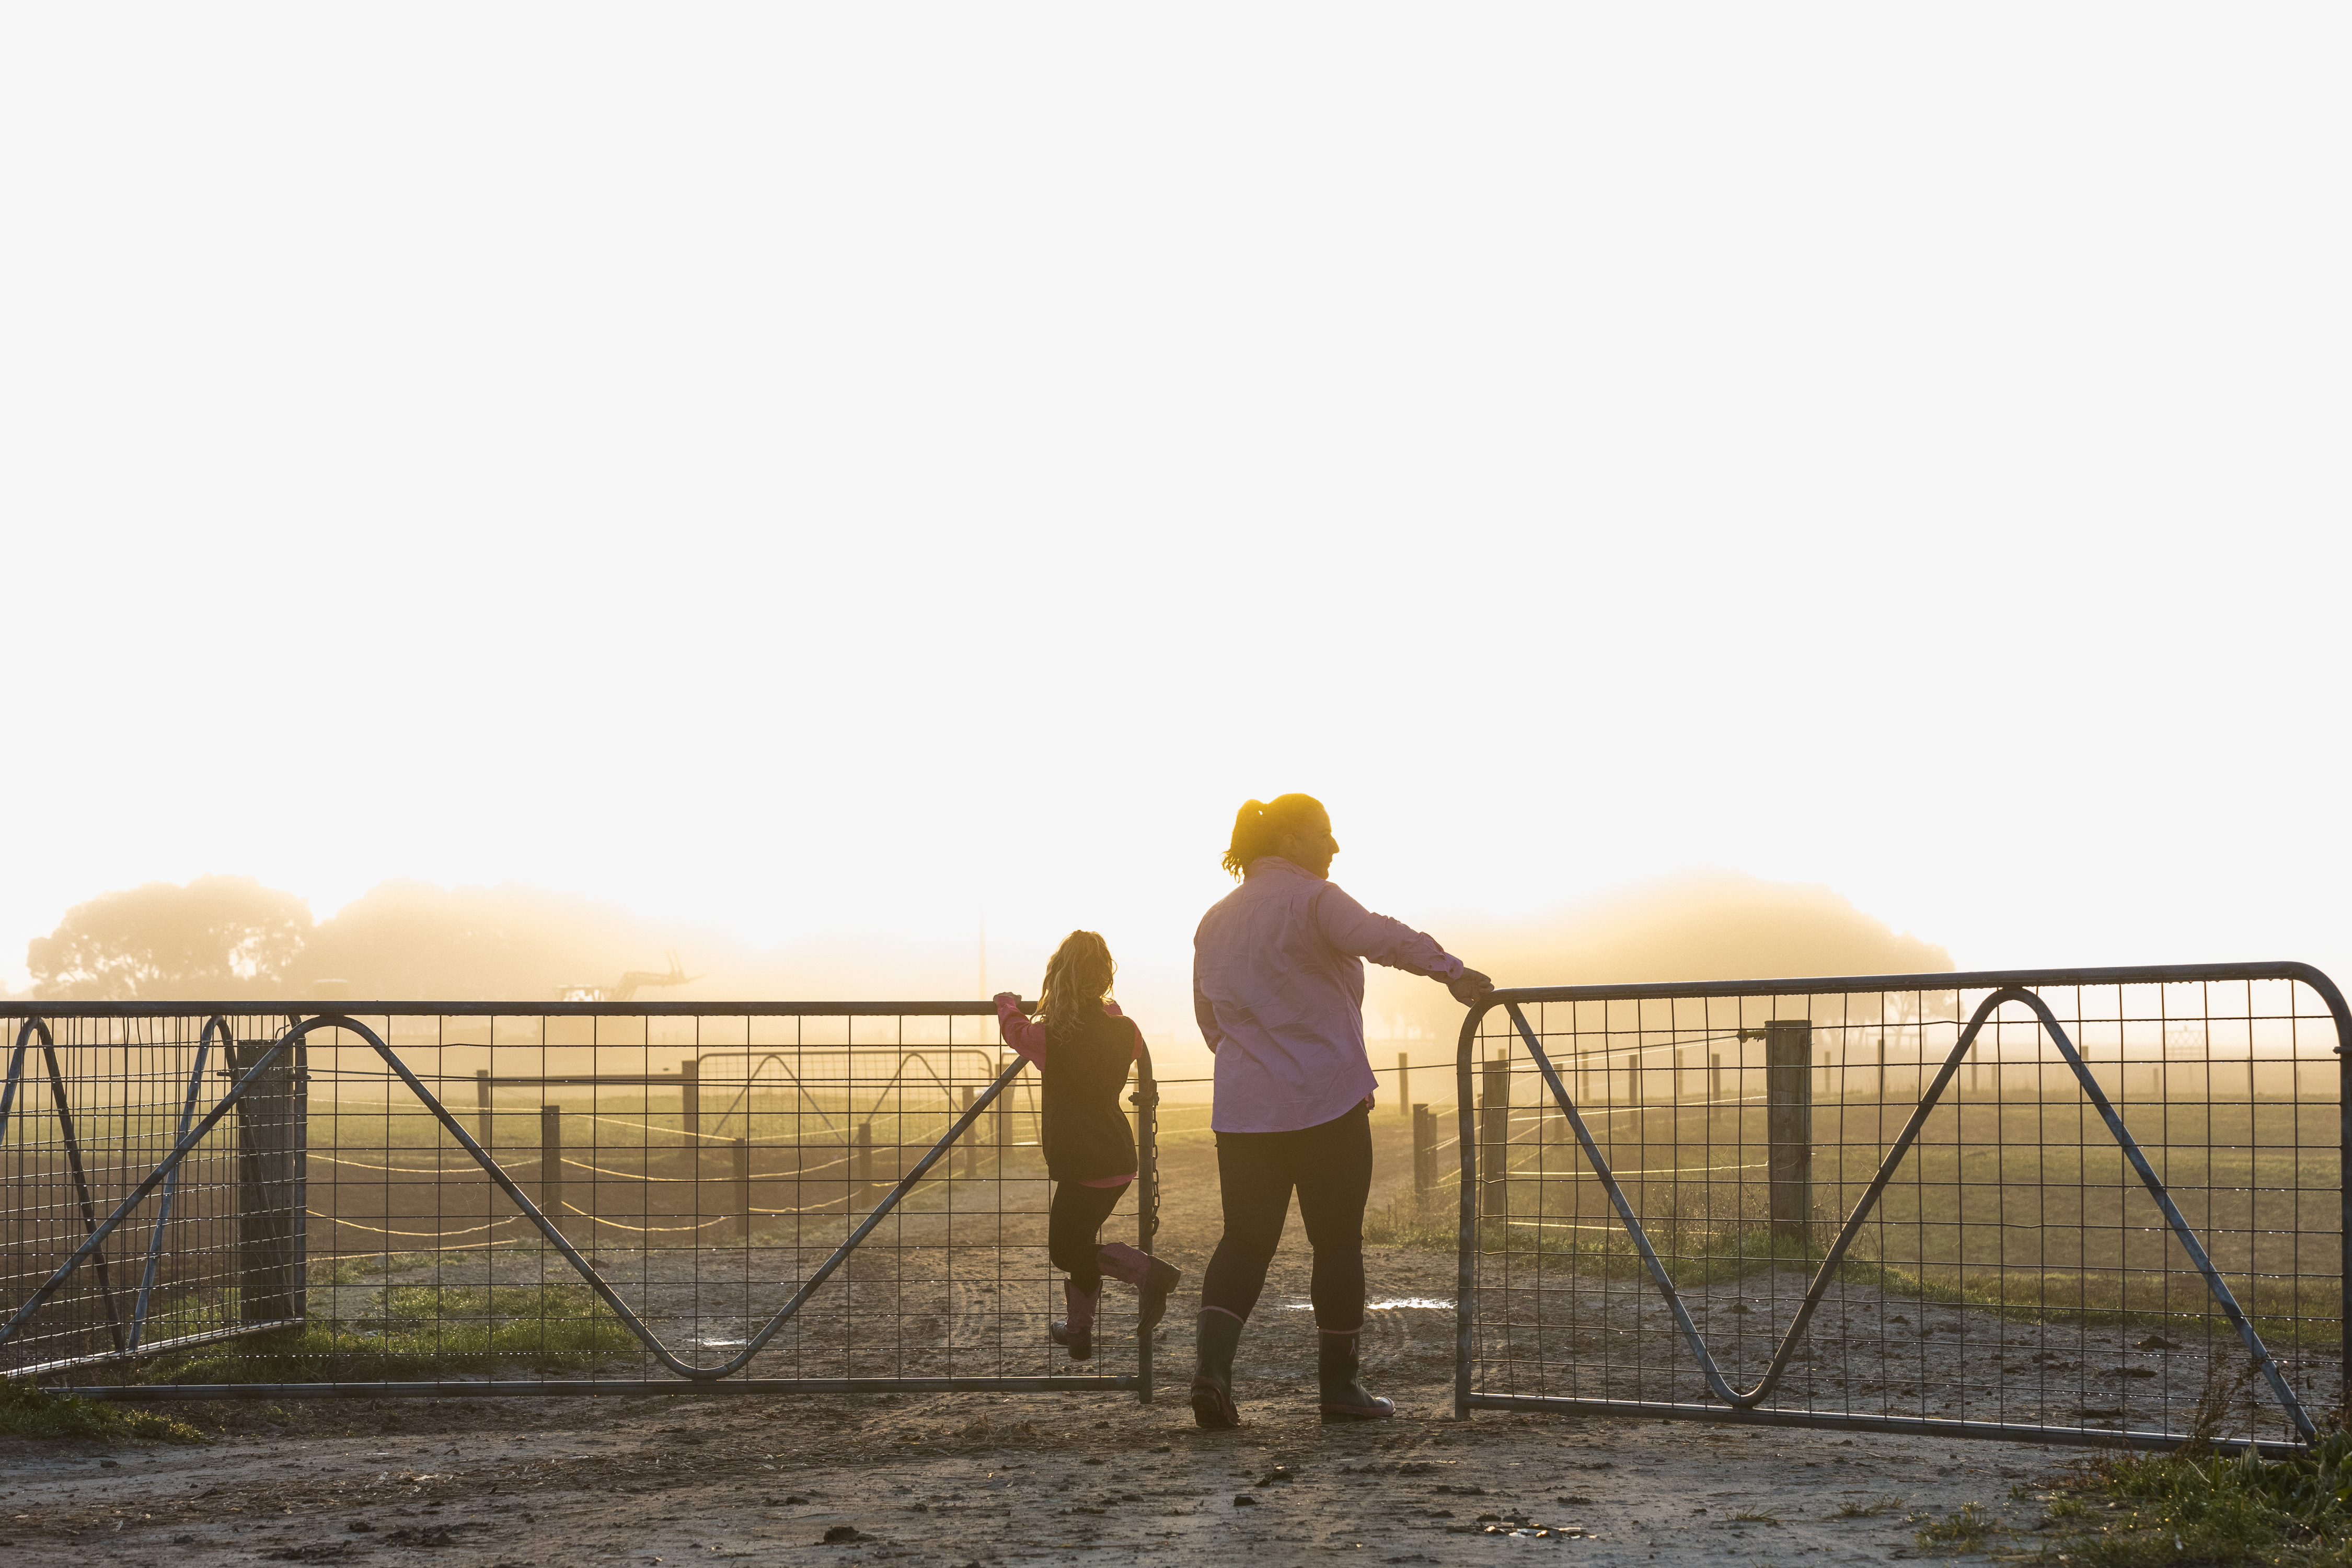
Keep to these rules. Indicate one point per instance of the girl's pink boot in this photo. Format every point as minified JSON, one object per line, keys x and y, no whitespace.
{"x":1076,"y":1331}
{"x":1150,"y":1276}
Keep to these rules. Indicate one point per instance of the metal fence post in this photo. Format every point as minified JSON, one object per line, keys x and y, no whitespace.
{"x":269,"y":1198}
{"x":1495,"y":1135}
{"x":1146,"y":1100}
{"x":1789,"y":1122}
{"x":550,"y":1160}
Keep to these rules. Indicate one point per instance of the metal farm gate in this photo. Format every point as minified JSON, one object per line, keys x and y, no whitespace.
{"x":2100,"y":1206}
{"x":202,"y":1200}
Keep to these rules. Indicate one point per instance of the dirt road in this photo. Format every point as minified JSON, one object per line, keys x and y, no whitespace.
{"x":952,"y":1479}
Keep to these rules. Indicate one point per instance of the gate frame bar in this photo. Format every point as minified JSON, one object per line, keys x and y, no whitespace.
{"x":2005,"y":986}
{"x":687,"y":1375}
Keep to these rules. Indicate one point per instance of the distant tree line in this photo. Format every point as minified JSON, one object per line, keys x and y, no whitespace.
{"x":229,"y":937}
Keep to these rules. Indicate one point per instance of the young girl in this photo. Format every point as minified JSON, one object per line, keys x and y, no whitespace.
{"x":1083,"y":1046}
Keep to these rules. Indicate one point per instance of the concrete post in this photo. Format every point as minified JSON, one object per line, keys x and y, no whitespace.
{"x":1789,"y":1123}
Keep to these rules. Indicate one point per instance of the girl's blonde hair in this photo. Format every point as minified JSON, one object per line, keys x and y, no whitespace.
{"x":1078,"y":977}
{"x":1259,"y":826}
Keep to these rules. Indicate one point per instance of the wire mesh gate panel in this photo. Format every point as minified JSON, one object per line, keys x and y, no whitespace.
{"x":512,"y":1197}
{"x":2088,"y":1205}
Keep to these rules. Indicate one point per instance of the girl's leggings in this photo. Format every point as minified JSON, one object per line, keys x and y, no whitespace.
{"x":1078,"y":1214}
{"x":1331,"y":1167}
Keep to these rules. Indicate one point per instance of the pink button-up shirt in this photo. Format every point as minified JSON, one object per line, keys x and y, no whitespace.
{"x":1279,"y":989}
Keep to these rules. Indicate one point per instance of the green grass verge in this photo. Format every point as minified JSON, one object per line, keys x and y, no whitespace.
{"x":422,"y":1331}
{"x":2187,"y":1507}
{"x":26,"y":1412}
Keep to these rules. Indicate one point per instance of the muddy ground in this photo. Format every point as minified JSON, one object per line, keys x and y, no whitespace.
{"x":945,"y":1480}
{"x":958,"y":1479}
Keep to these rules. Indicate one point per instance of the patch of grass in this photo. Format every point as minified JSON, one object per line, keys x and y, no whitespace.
{"x":422,"y":1331}
{"x":367,"y":1268}
{"x":26,"y":1412}
{"x":1870,"y":1507}
{"x":1433,"y":1226}
{"x":2227,"y":1510}
{"x":1754,"y":1516}
{"x":1963,"y":1530}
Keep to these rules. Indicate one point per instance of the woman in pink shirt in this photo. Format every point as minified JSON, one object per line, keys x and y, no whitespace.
{"x":1278,"y":990}
{"x":1082,"y":1045}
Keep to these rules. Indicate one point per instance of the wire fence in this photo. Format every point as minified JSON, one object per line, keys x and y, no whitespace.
{"x":2083,"y":1206}
{"x":478,"y":1198}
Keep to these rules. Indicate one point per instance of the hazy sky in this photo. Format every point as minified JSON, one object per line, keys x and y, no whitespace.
{"x":873,"y":468}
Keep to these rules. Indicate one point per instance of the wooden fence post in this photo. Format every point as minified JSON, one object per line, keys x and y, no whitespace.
{"x":1789,"y":1122}
{"x":482,"y":1108}
{"x":864,"y":1168}
{"x":551,"y":1162}
{"x":689,"y":1096}
{"x":740,"y":1148}
{"x":1404,"y":1085}
{"x":970,"y":1136}
{"x":1494,"y":1137}
{"x":1424,"y":1152}
{"x":269,"y":1186}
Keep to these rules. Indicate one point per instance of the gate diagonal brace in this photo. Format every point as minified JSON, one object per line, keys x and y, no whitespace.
{"x":506,"y":1183}
{"x":1748,"y":1399}
{"x":172,"y":1185}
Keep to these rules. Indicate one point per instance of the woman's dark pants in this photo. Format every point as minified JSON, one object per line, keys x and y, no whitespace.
{"x":1078,"y":1214}
{"x":1330,"y":1166}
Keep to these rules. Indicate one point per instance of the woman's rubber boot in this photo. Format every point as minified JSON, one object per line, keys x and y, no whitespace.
{"x":1156,"y":1280}
{"x":1077,"y":1329}
{"x":1212,"y":1379}
{"x":1344,"y":1398}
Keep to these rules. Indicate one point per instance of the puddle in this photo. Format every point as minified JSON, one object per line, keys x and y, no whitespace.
{"x":1394,"y":1303}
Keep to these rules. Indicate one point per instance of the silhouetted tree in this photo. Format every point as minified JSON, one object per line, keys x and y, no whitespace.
{"x":218,"y":936}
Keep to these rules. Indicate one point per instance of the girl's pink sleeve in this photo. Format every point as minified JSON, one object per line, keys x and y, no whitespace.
{"x":1022,"y":1033}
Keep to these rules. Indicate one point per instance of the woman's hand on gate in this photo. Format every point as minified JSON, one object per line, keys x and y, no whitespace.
{"x":1469,"y":987}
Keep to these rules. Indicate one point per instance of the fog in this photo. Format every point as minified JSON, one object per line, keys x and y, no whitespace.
{"x":824,"y":479}
{"x":227,"y":938}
